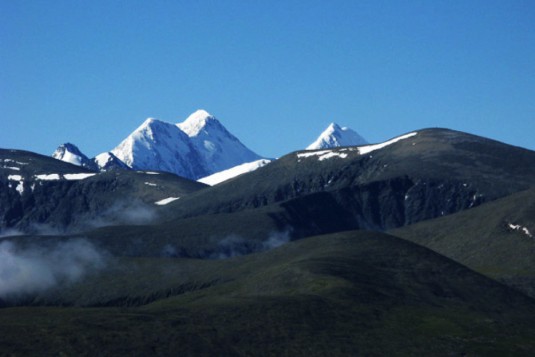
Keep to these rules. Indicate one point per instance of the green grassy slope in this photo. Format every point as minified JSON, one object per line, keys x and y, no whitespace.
{"x":342,"y":294}
{"x":482,"y":239}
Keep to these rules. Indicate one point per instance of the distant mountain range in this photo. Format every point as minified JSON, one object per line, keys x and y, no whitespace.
{"x":196,"y":149}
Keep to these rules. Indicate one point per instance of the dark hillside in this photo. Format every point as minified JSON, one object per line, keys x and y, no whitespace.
{"x":433,"y":173}
{"x":343,"y":294}
{"x":41,"y":194}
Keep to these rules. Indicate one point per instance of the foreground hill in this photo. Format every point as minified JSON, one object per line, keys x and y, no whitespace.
{"x":352,"y":293}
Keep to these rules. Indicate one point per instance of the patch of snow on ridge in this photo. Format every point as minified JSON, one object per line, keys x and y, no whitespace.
{"x":78,"y":176}
{"x":166,"y":201}
{"x":20,"y":180}
{"x":14,"y":161}
{"x":20,"y":187}
{"x":315,"y":153}
{"x":48,"y":177}
{"x":362,"y":150}
{"x":332,"y":154}
{"x":225,"y":175}
{"x":369,"y":148}
{"x":325,"y":154}
{"x":70,"y":177}
{"x":518,"y":227}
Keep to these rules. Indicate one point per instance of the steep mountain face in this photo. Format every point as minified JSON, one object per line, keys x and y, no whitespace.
{"x":70,"y":153}
{"x":195,"y":148}
{"x":336,"y":136}
{"x":40,"y":194}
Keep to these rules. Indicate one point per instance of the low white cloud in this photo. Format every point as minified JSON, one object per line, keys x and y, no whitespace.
{"x":31,"y":269}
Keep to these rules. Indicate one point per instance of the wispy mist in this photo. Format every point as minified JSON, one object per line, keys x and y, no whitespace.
{"x":233,"y":245}
{"x":122,"y":212}
{"x":10,"y":232}
{"x":33,"y":269}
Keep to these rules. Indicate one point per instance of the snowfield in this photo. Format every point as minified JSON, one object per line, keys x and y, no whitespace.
{"x":166,"y":201}
{"x":233,"y":172}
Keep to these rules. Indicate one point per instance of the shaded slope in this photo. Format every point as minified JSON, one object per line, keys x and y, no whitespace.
{"x":433,"y":173}
{"x":343,"y":294}
{"x":38,"y":192}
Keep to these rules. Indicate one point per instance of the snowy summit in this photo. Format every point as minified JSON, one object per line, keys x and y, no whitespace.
{"x":70,"y":153}
{"x":197,"y":122}
{"x":194,"y":148}
{"x":336,"y":136}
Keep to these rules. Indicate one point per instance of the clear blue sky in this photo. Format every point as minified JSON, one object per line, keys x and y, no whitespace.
{"x":275,"y":73}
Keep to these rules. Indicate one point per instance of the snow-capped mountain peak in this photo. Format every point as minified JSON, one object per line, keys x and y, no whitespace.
{"x":336,"y":136}
{"x":197,"y":147}
{"x":70,"y":153}
{"x":197,"y":122}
